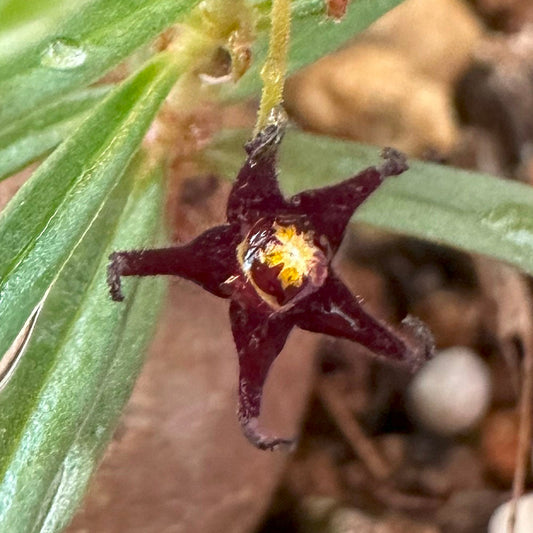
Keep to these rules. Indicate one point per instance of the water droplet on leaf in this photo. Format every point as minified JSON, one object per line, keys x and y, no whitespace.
{"x":514,"y":220}
{"x":63,"y":54}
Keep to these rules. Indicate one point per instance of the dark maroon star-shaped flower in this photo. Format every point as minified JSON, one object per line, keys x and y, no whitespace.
{"x":272,"y":260}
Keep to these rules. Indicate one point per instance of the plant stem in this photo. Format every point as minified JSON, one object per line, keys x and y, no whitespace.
{"x":275,"y":67}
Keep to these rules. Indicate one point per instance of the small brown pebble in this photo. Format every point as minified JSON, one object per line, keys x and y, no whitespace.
{"x":495,"y":95}
{"x":347,"y":519}
{"x":453,"y":316}
{"x":461,"y":470}
{"x":396,"y":523}
{"x":394,"y":448}
{"x":315,"y":474}
{"x":499,"y":444}
{"x":506,"y":15}
{"x":469,"y":511}
{"x":323,"y":516}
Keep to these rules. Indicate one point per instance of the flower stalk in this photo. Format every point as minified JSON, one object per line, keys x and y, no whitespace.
{"x":275,"y":68}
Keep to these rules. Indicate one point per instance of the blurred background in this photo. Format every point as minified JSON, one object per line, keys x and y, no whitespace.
{"x":450,"y":81}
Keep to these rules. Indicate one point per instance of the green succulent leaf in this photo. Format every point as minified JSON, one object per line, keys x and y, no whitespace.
{"x":59,"y":408}
{"x":467,"y":210}
{"x":313,"y":35}
{"x":32,"y":136}
{"x":41,"y":226}
{"x":72,"y":44}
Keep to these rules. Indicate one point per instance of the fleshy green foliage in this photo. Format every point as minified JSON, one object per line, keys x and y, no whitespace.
{"x":78,"y":369}
{"x":471,"y":211}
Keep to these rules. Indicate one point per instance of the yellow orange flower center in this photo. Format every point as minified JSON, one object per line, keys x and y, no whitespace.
{"x":282,"y":262}
{"x":292,"y":249}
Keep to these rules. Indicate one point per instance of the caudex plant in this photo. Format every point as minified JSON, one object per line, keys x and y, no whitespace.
{"x":90,"y":216}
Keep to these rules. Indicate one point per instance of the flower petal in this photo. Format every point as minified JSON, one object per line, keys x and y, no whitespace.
{"x":330,"y":208}
{"x":209,"y":260}
{"x":255,"y":193}
{"x":333,"y":310}
{"x":259,"y":337}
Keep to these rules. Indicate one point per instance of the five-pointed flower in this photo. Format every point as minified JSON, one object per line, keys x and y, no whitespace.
{"x":272,"y":260}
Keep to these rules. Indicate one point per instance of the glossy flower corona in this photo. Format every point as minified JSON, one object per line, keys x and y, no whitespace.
{"x":281,"y":261}
{"x":272,"y":260}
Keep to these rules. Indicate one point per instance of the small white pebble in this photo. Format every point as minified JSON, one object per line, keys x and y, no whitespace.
{"x":524,"y":517}
{"x":451,"y":393}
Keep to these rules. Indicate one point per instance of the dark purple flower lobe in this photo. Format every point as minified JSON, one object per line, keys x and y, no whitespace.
{"x":255,"y":193}
{"x":330,"y":208}
{"x":209,"y":260}
{"x":259,"y":337}
{"x":333,"y":310}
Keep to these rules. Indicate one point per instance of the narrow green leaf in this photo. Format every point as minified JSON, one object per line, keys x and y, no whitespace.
{"x":313,"y":35}
{"x":97,"y":429}
{"x":467,"y":210}
{"x":27,"y":139}
{"x":51,"y":212}
{"x":18,"y":398}
{"x":15,"y":13}
{"x":71,"y":49}
{"x":59,"y":408}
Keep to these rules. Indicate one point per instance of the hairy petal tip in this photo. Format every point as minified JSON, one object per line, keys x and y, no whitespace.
{"x":395,"y":162}
{"x":262,"y":441}
{"x":420,"y":340}
{"x":113,"y":277}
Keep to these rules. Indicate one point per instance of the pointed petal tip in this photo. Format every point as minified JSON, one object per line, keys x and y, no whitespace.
{"x":113,"y":277}
{"x":265,"y":442}
{"x":421,"y":341}
{"x":395,"y":162}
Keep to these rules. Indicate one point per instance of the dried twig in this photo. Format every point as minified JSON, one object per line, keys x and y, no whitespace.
{"x":513,"y":325}
{"x":362,"y":446}
{"x":524,"y":434}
